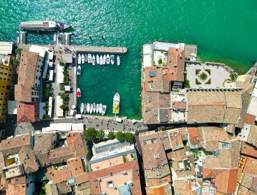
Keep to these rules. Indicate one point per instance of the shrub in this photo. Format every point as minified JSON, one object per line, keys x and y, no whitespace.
{"x":129,"y":137}
{"x":111,"y":135}
{"x":90,"y":135}
{"x":120,"y":136}
{"x":100,"y":135}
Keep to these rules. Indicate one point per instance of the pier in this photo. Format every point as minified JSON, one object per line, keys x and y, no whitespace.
{"x":97,"y":49}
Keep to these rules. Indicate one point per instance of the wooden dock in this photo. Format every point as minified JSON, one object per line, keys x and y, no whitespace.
{"x":98,"y":49}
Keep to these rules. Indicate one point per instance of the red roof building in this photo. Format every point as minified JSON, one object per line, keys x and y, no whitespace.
{"x":26,"y":112}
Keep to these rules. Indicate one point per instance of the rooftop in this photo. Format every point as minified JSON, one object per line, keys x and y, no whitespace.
{"x":26,"y":76}
{"x":26,"y":112}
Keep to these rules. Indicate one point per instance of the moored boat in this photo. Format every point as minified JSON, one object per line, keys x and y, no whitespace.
{"x":89,"y":58}
{"x":112,"y":58}
{"x":97,"y":108}
{"x":79,"y":70}
{"x":100,"y":108}
{"x":43,"y":26}
{"x":104,"y":107}
{"x":82,"y":108}
{"x":93,"y":60}
{"x":97,"y":59}
{"x":79,"y":59}
{"x":78,"y":92}
{"x":82,"y":58}
{"x":86,"y":58}
{"x":118,"y":60}
{"x":91,"y":109}
{"x":88,"y":108}
{"x":101,"y":60}
{"x":108,"y":59}
{"x":104,"y":59}
{"x":94,"y":108}
{"x":116,"y":103}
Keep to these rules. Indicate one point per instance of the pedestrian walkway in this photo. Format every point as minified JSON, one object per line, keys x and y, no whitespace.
{"x":107,"y":123}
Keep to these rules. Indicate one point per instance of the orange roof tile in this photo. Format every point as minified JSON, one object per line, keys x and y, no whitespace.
{"x":26,"y":112}
{"x":194,"y":135}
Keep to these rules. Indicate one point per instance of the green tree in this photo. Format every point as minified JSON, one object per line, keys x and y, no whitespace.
{"x":90,"y":135}
{"x":100,"y":135}
{"x":129,"y":137}
{"x":111,"y":135}
{"x":120,"y":136}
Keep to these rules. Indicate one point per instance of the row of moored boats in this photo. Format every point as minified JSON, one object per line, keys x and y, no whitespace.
{"x":98,"y":59}
{"x":93,"y":108}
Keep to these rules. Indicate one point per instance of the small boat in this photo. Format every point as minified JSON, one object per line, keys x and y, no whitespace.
{"x":104,"y":59}
{"x":82,"y":58}
{"x":97,"y":59}
{"x":89,"y":58}
{"x":100,"y":108}
{"x":86,"y":58}
{"x":79,"y":70}
{"x":91,"y":108}
{"x":79,"y":59}
{"x":101,"y":60}
{"x":116,"y":103}
{"x":93,"y":60}
{"x":112,"y":59}
{"x":82,"y":108}
{"x":78,"y":93}
{"x":118,"y":60}
{"x":94,"y":107}
{"x":88,"y":108}
{"x":97,"y":108}
{"x":108,"y":59}
{"x":104,"y":110}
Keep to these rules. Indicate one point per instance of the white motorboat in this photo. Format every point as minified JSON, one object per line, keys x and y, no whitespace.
{"x":91,"y":109}
{"x":100,"y":108}
{"x":93,"y":60}
{"x":82,"y":108}
{"x":104,"y":110}
{"x":88,"y":108}
{"x":97,"y":108}
{"x":118,"y":60}
{"x":97,"y":59}
{"x":89,"y":58}
{"x":94,"y":107}
{"x":82,"y":58}
{"x":104,"y":59}
{"x":112,"y":59}
{"x":108,"y":59}
{"x":101,"y":60}
{"x":79,"y":59}
{"x":86,"y":58}
{"x":79,"y":70}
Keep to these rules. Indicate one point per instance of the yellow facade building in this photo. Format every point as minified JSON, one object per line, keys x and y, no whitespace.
{"x":5,"y":79}
{"x":6,"y":70}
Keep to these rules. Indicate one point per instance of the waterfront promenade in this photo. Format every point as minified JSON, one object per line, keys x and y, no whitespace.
{"x":106,"y":123}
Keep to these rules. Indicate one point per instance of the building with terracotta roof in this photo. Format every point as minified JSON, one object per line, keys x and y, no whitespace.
{"x":27,"y":112}
{"x":221,"y":170}
{"x":156,"y":168}
{"x":13,"y":145}
{"x":116,"y":180}
{"x":213,"y":106}
{"x":20,"y":185}
{"x":159,"y":79}
{"x":29,"y":72}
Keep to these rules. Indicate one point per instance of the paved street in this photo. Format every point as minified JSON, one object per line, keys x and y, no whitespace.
{"x":106,"y":123}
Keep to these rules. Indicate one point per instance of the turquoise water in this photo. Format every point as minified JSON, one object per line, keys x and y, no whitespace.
{"x":223,"y":30}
